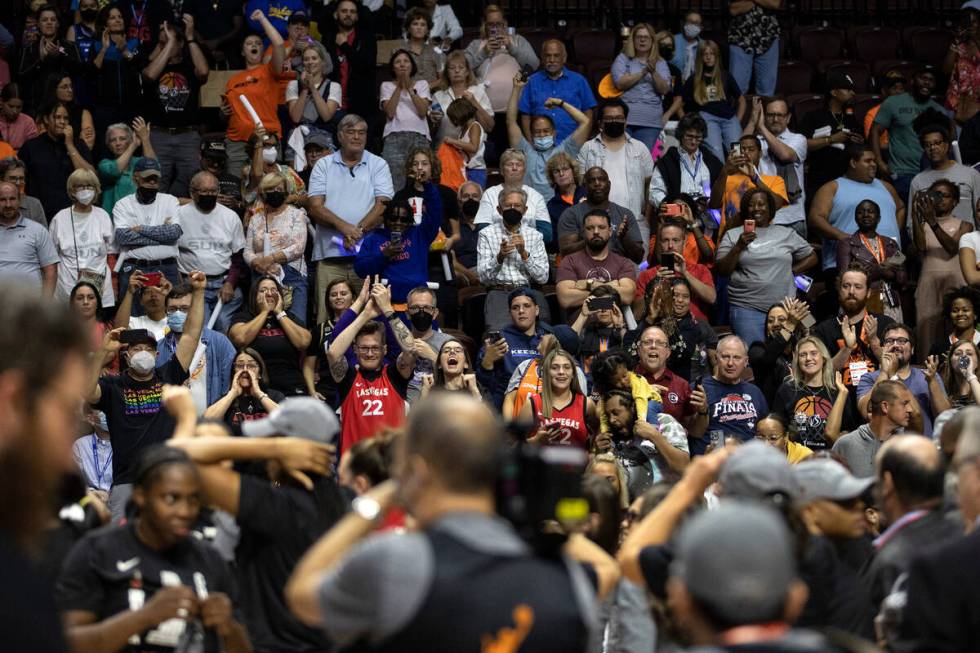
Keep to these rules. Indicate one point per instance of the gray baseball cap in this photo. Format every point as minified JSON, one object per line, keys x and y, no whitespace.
{"x":828,"y":479}
{"x":737,"y":561}
{"x":298,"y":417}
{"x":755,"y":470}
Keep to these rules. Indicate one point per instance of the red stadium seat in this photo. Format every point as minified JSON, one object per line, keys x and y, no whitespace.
{"x":870,"y":44}
{"x":794,"y":77}
{"x":929,"y":44}
{"x":819,"y":43}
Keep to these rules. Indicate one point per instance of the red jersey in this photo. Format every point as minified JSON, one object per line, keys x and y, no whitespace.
{"x":570,"y":421}
{"x":371,"y":402}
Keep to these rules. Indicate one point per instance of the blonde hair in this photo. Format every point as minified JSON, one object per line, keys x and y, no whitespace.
{"x":453,"y":57}
{"x":272,"y":179}
{"x":559,"y":159}
{"x":826,"y":376}
{"x":700,"y":88}
{"x":326,"y":61}
{"x":512,"y":154}
{"x":630,"y":50}
{"x":544,"y":370}
{"x":82,"y":177}
{"x":491,"y":9}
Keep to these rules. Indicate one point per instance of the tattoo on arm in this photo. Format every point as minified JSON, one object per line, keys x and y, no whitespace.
{"x":338,"y":369}
{"x":402,"y":333}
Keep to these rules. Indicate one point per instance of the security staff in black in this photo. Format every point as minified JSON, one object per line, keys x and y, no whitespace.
{"x":465,"y":582}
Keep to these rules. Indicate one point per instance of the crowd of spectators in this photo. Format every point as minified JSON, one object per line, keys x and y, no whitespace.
{"x":280,"y":281}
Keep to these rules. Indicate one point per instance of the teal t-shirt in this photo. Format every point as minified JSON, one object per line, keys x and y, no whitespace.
{"x":116,"y":185}
{"x":896,"y":115}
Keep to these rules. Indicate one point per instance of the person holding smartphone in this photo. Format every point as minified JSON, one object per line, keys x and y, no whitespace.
{"x":667,"y":262}
{"x":762,"y":259}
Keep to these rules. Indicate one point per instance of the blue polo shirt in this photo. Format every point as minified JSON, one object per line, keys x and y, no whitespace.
{"x":570,"y":87}
{"x":25,"y":248}
{"x":349,"y":193}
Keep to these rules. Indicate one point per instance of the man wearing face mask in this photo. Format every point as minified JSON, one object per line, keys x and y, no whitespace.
{"x":132,"y":401}
{"x":510,"y":255}
{"x":625,"y":159}
{"x":399,"y":251}
{"x":210,"y":375}
{"x":147,"y":226}
{"x":686,"y":44}
{"x":545,"y":143}
{"x":465,"y":248}
{"x":212,"y":242}
{"x":214,"y":159}
{"x":422,"y":312}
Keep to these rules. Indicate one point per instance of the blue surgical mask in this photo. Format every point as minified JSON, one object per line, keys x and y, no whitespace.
{"x":176,"y":321}
{"x":544,"y":143}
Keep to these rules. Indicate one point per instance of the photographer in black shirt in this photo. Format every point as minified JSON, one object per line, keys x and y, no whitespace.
{"x":406,"y":592}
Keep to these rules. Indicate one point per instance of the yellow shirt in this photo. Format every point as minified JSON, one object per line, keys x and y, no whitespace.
{"x":642,"y":393}
{"x":796,"y":452}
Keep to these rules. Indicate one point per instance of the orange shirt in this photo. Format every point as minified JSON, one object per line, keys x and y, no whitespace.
{"x":736,"y":186}
{"x":869,"y":119}
{"x":6,"y":151}
{"x":261,"y":87}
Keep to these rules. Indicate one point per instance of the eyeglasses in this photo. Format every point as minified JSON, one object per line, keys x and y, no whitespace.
{"x":246,"y":366}
{"x":369,"y":350}
{"x":421,"y":309}
{"x":655,"y":343}
{"x":897,"y":341}
{"x":772,"y":439}
{"x":85,"y":187}
{"x":453,"y":351}
{"x":693,"y":136}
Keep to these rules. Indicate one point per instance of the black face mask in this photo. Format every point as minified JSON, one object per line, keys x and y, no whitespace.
{"x":613,"y":129}
{"x":512,"y":217}
{"x":667,"y":53}
{"x":421,"y":321}
{"x":146,"y":195}
{"x":708,"y":69}
{"x":470,"y":207}
{"x":88,"y":15}
{"x":275,"y":198}
{"x":206,"y":202}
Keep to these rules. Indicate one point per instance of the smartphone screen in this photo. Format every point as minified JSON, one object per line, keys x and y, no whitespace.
{"x":803,"y":282}
{"x":667,"y":260}
{"x":153,"y":278}
{"x":601,"y":303}
{"x":749,"y":226}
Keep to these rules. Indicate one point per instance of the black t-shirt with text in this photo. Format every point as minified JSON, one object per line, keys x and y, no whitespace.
{"x":136,"y":416}
{"x":282,"y":359}
{"x":247,"y":408}
{"x":111,"y":571}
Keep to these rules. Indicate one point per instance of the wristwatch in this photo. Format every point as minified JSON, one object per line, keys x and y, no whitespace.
{"x":367,"y":508}
{"x":280,"y":315}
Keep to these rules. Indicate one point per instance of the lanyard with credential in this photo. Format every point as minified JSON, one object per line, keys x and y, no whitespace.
{"x":99,"y":472}
{"x":697,"y":167}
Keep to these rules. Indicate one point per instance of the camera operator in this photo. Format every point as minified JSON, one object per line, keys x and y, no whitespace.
{"x":397,"y":591}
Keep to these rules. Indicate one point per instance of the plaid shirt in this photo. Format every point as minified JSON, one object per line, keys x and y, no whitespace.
{"x":513,"y":271}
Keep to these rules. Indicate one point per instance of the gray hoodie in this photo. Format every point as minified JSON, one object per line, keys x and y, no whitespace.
{"x":859,"y":448}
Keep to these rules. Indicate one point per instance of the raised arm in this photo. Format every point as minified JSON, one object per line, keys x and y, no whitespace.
{"x":514,"y":133}
{"x":275,"y":39}
{"x":191,"y":336}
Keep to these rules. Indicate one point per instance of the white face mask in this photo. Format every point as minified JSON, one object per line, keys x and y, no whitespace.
{"x":270,"y":154}
{"x":142,"y":362}
{"x":691,"y":30}
{"x":85,"y":196}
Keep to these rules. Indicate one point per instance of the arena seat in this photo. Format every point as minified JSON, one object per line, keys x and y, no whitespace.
{"x":595,"y":45}
{"x":800,"y":105}
{"x":873,"y":43}
{"x":816,"y":44}
{"x":794,"y":77}
{"x":929,"y":44}
{"x":879,"y":68}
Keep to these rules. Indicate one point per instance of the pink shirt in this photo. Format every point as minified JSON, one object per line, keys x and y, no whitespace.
{"x":18,"y":132}
{"x":406,"y":118}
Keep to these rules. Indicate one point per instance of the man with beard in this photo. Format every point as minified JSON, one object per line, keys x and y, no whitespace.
{"x":897,"y":115}
{"x":727,"y":406}
{"x":896,"y":364}
{"x":212,"y":239}
{"x":147,"y":227}
{"x":510,"y":255}
{"x":834,"y":207}
{"x":42,"y":370}
{"x":132,"y":401}
{"x":854,"y":338}
{"x":828,"y":130}
{"x":626,"y":238}
{"x":354,"y":50}
{"x":596,"y":265}
{"x":935,"y":142}
{"x":26,"y":250}
{"x":652,"y":352}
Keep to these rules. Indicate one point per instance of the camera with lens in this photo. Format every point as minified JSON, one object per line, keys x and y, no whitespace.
{"x":539,"y":491}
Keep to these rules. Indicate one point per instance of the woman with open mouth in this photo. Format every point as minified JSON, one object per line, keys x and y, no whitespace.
{"x":453,"y":372}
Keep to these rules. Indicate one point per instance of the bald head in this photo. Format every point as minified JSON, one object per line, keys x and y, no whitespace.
{"x":204,"y":179}
{"x":915,"y":469}
{"x":9,"y":201}
{"x":459,"y":439}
